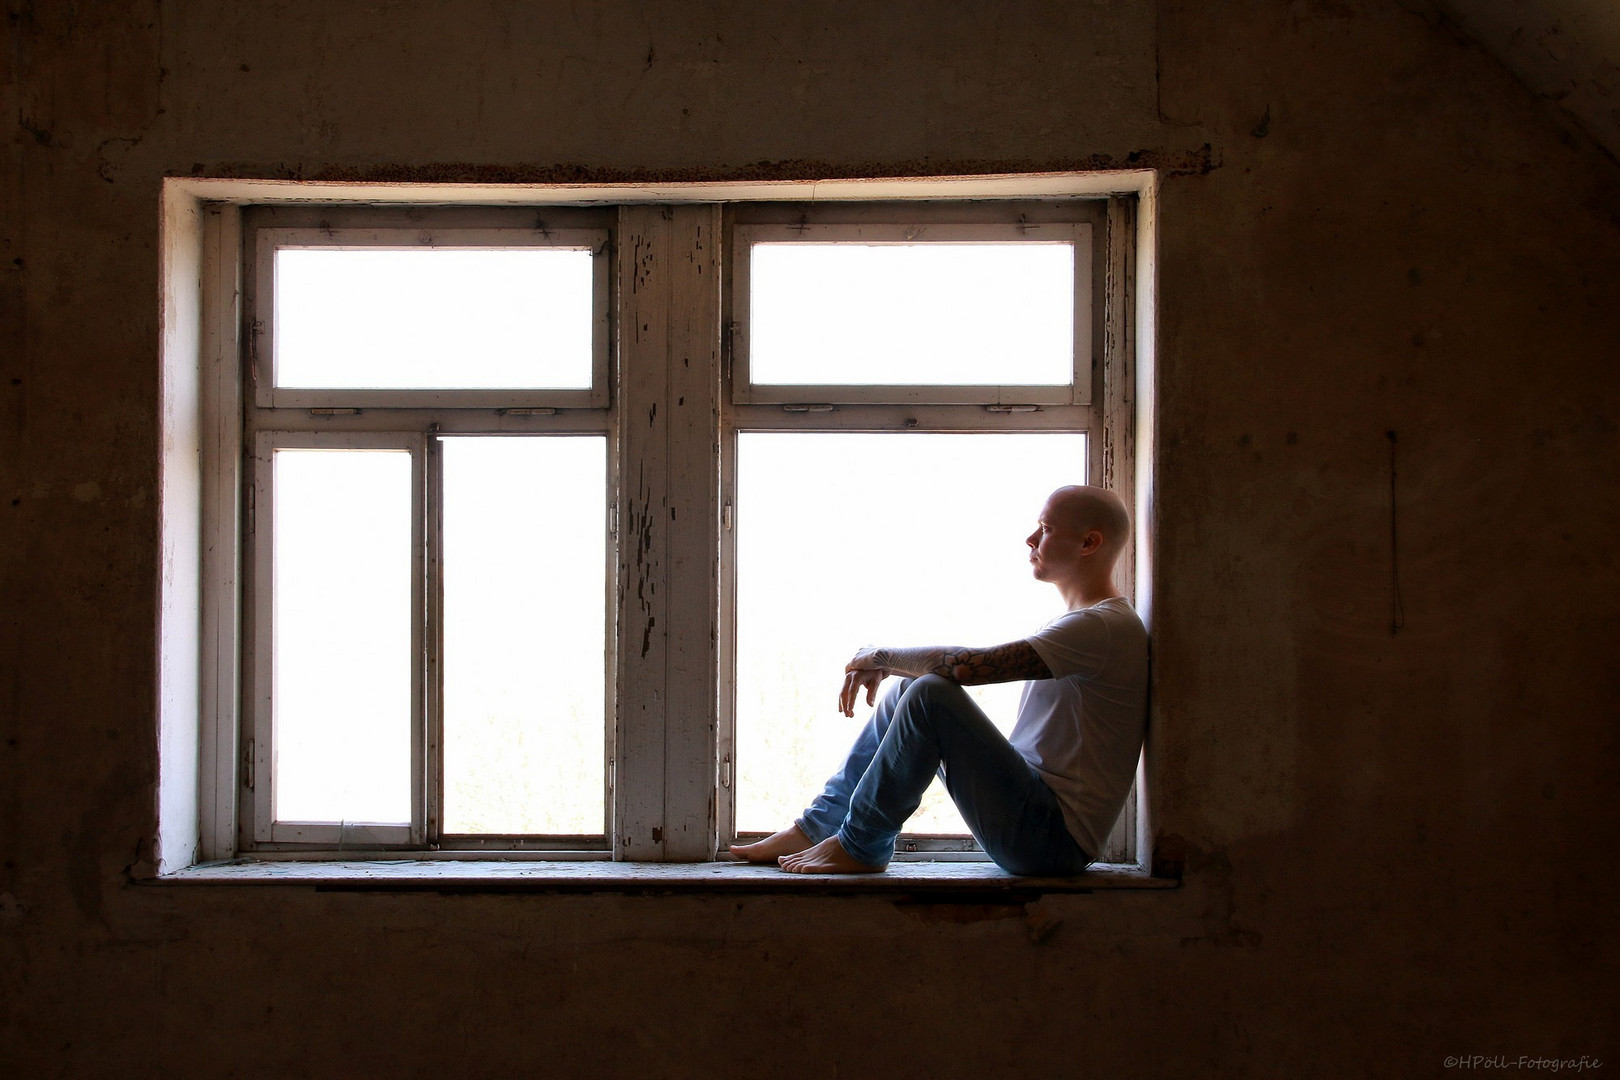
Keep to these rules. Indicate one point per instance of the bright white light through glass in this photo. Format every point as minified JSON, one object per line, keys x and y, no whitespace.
{"x":421,"y":319}
{"x":525,"y":556}
{"x":935,"y":314}
{"x":341,"y":692}
{"x":845,"y":540}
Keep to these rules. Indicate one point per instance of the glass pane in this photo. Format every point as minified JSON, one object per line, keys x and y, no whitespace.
{"x":433,"y":319}
{"x":342,"y":615}
{"x":525,"y":565}
{"x":933,"y":314}
{"x":929,"y":551}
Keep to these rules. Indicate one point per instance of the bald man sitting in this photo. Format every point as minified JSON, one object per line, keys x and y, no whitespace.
{"x":1041,"y":802}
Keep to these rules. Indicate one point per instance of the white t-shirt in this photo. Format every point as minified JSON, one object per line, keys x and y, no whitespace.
{"x":1082,"y":729}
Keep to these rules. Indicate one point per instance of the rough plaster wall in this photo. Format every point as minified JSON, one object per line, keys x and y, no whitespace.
{"x":1393,"y":842}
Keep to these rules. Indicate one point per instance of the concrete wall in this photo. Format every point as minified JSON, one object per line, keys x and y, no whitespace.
{"x":1395,"y":843}
{"x":1567,"y":51}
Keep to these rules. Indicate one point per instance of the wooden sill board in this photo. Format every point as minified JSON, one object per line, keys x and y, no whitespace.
{"x":535,"y":875}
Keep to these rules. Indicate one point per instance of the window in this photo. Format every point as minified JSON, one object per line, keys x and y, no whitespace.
{"x":549,"y":527}
{"x":909,"y":383}
{"x":426,"y":608}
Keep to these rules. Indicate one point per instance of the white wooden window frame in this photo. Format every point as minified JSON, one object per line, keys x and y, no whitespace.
{"x":401,"y":419}
{"x":268,"y":395}
{"x":988,"y":409}
{"x":267,"y":828}
{"x":569,"y":845}
{"x":1077,"y":390}
{"x":262,"y":828}
{"x":664,"y":398}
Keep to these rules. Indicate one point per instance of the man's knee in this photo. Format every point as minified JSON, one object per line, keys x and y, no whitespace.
{"x":934,"y":689}
{"x":939,"y":710}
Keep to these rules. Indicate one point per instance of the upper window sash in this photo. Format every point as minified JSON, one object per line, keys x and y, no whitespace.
{"x":1071,"y":385}
{"x":268,"y":313}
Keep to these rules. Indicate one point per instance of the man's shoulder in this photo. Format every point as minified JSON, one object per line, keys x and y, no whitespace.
{"x":1125,"y":626}
{"x":1106,"y":626}
{"x":1112,"y":612}
{"x":1087,"y":642}
{"x":1117,"y":610}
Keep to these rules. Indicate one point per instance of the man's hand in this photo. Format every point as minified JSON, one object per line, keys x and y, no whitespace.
{"x":865,"y":671}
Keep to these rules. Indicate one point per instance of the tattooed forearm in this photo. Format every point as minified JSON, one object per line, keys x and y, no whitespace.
{"x":1011,"y":662}
{"x":911,"y":662}
{"x":970,"y":667}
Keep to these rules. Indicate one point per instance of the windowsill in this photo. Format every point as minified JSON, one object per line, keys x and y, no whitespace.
{"x":943,"y":879}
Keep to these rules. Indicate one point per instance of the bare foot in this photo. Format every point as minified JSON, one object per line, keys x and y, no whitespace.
{"x":788,"y":841}
{"x":827,"y":857}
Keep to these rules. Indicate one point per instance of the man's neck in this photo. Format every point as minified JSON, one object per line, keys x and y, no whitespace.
{"x":1084,"y":594}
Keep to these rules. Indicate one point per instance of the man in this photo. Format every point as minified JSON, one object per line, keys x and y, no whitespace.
{"x":1041,"y":802}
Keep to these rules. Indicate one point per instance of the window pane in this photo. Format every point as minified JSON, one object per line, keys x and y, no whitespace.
{"x":342,"y":614}
{"x":934,"y":314}
{"x":525,"y":564}
{"x":927,"y":549}
{"x":433,"y":319}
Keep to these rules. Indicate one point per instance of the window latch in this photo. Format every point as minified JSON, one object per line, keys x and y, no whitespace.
{"x":1012,"y":408}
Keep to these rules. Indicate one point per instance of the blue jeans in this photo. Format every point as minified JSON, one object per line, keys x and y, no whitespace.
{"x":926,"y":726}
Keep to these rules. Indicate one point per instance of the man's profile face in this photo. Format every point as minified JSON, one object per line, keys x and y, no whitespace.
{"x":1055,"y":545}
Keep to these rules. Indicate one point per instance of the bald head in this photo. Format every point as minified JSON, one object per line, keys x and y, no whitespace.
{"x":1080,"y":508}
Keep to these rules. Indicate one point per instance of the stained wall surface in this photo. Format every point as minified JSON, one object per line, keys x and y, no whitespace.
{"x":1395,"y":840}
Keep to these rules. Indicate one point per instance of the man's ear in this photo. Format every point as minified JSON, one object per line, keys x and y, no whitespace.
{"x":1091,"y":542}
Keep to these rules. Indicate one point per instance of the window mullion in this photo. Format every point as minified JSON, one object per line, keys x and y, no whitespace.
{"x":260,"y":520}
{"x":428,"y":761}
{"x":669,"y":527}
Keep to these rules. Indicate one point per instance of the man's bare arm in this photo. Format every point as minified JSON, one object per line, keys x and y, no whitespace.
{"x":1011,"y":662}
{"x":970,"y":667}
